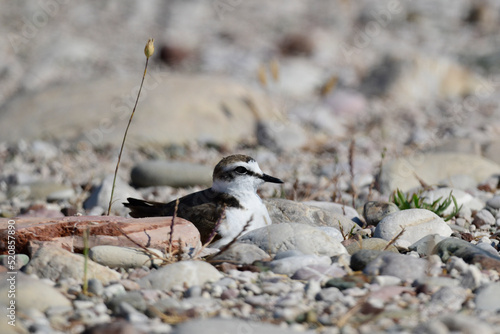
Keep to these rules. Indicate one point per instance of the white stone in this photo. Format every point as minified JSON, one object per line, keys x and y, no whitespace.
{"x":182,"y":273}
{"x":418,"y":223}
{"x":125,"y":257}
{"x":291,"y":236}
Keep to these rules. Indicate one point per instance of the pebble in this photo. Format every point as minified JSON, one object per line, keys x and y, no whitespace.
{"x":472,"y":254}
{"x":95,"y":287}
{"x":242,"y":253}
{"x":373,"y":212}
{"x":398,"y":265}
{"x":361,"y":258}
{"x":125,"y":257}
{"x":185,"y":273}
{"x":132,"y":298}
{"x":290,"y":265}
{"x":170,"y":173}
{"x":279,"y":136}
{"x":41,"y":190}
{"x":418,"y":223}
{"x":484,"y":217}
{"x":56,"y":263}
{"x":20,"y":261}
{"x":426,"y":245}
{"x":487,"y":297}
{"x":287,"y":236}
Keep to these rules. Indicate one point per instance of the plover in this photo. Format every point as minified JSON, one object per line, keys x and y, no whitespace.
{"x":233,"y":192}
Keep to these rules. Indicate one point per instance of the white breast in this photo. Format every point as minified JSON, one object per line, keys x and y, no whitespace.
{"x":237,"y":218}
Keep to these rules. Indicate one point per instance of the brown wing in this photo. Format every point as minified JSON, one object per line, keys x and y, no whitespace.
{"x":203,"y":209}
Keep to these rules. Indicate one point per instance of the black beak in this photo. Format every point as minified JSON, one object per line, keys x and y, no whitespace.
{"x":268,"y":178}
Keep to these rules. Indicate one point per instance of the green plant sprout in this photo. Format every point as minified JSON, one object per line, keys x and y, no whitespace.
{"x":416,"y":201}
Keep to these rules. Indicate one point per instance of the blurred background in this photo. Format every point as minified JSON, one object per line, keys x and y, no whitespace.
{"x":300,"y":85}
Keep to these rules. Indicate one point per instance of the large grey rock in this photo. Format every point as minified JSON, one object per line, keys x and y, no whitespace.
{"x":56,"y":263}
{"x":124,"y":257}
{"x":169,"y":104}
{"x":403,"y":266}
{"x":417,"y":223}
{"x":182,"y":273}
{"x":30,"y":293}
{"x":433,"y":167}
{"x":492,"y":151}
{"x":100,"y":195}
{"x":170,"y":173}
{"x":286,"y":211}
{"x":218,"y":326}
{"x":291,"y":236}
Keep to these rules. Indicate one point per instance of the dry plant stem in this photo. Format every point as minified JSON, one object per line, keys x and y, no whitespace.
{"x":147,"y":251}
{"x":125,"y":136}
{"x":172,"y":227}
{"x":86,"y":235}
{"x":348,"y":315}
{"x":393,"y":240}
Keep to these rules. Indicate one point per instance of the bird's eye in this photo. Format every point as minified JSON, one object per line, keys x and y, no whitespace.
{"x":241,"y":170}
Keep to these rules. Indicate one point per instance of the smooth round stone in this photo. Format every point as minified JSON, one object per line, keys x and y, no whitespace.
{"x":133,"y":298}
{"x":170,"y":173}
{"x":56,"y":263}
{"x":484,"y":217}
{"x":41,"y":190}
{"x":417,"y":223}
{"x":494,"y":202}
{"x":319,"y":272}
{"x":95,"y":287}
{"x":184,"y":273}
{"x":124,"y":257}
{"x":289,"y":265}
{"x":487,"y":298}
{"x":332,"y":232}
{"x":470,"y":253}
{"x":31,"y":293}
{"x":384,"y":280}
{"x":371,"y":244}
{"x":466,"y":200}
{"x":425,"y":245}
{"x":403,"y":266}
{"x":288,"y":236}
{"x":286,"y":211}
{"x":61,"y":195}
{"x":361,"y":258}
{"x":242,"y":253}
{"x":375,"y":211}
{"x":20,"y":261}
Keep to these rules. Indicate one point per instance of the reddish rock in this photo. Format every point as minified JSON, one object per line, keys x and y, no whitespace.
{"x":31,"y":233}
